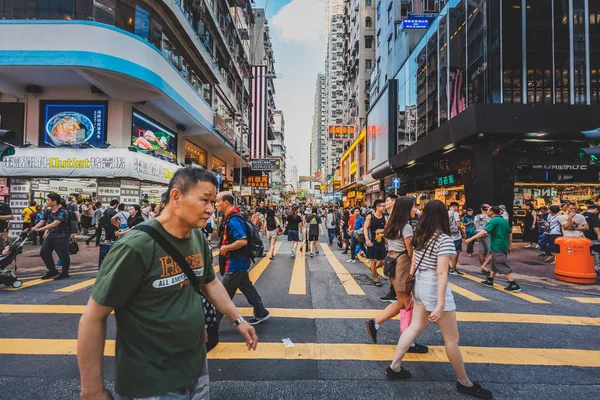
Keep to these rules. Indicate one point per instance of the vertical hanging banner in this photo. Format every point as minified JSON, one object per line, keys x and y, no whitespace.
{"x":258,"y":123}
{"x":130,"y":192}
{"x":19,"y":200}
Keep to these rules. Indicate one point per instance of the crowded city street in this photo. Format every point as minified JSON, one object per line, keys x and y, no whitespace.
{"x":541,"y":343}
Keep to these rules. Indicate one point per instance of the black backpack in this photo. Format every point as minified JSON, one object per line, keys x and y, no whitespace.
{"x":255,"y":245}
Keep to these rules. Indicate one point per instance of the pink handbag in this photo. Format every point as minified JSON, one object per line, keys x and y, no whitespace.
{"x":405,"y":318}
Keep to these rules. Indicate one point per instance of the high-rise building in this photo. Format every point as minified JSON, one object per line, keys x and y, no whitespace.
{"x":359,"y":59}
{"x":318,"y":149}
{"x":291,"y":173}
{"x":335,"y":83}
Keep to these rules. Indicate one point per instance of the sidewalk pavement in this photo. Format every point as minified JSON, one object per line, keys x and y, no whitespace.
{"x":528,"y":268}
{"x":29,"y":262}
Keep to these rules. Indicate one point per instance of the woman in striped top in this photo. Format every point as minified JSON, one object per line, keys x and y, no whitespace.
{"x":433,"y":299}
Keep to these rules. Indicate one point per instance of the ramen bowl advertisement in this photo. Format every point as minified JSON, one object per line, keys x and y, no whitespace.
{"x":73,"y":123}
{"x":150,"y":137}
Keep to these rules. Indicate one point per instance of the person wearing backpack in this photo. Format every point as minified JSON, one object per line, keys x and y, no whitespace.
{"x":235,"y":254}
{"x":456,"y":234}
{"x":315,"y":230}
{"x":58,"y":236}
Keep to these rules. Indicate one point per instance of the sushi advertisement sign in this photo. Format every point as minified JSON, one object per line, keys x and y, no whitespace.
{"x":150,"y":137}
{"x":73,"y":123}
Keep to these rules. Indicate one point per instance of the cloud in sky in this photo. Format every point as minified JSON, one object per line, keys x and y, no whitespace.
{"x":301,"y":22}
{"x":298,"y":35}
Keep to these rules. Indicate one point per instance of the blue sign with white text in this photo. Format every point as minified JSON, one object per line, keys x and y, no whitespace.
{"x":415,"y":23}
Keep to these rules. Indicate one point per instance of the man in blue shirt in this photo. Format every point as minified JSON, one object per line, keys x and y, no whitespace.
{"x":234,"y":257}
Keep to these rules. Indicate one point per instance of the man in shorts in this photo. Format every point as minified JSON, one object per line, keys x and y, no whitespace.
{"x":499,"y":231}
{"x":314,"y":222}
{"x":480,"y":222}
{"x":456,"y":233}
{"x":160,"y":347}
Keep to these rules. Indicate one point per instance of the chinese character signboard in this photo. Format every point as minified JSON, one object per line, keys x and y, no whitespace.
{"x":341,"y":132}
{"x":265,"y":164}
{"x":73,"y":123}
{"x":446,"y":180}
{"x":258,"y":181}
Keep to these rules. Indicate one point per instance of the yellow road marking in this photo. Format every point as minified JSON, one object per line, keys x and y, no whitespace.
{"x":77,"y":286}
{"x":337,"y":351}
{"x":307,"y":313}
{"x":343,"y":275}
{"x":364,"y":261}
{"x":38,"y":281}
{"x":524,"y":296}
{"x":466,"y":293}
{"x":298,"y":280}
{"x":586,"y":300}
{"x":259,"y":268}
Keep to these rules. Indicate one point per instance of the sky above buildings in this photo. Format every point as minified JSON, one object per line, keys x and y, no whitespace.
{"x":298,"y":37}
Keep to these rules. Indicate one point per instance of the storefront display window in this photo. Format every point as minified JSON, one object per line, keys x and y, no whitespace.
{"x":555,"y":194}
{"x":219,"y":166}
{"x":194,"y":154}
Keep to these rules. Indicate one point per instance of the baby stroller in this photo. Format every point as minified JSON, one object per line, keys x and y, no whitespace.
{"x":7,"y":276}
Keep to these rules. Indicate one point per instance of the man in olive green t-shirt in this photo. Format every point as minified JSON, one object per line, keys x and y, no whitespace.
{"x":499,"y":230}
{"x":160,"y":347}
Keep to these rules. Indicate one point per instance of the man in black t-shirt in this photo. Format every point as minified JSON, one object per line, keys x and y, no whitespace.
{"x":106,"y":222}
{"x":315,"y":229}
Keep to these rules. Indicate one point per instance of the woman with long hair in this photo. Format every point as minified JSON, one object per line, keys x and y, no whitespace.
{"x":398,"y":234}
{"x":272,"y":223}
{"x":293,"y":224}
{"x":433,"y":300}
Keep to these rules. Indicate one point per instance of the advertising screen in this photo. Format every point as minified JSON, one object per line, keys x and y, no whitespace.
{"x":150,"y":137}
{"x":73,"y":123}
{"x":378,"y":132}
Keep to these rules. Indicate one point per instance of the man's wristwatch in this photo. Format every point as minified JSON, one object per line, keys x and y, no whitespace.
{"x":238,"y":321}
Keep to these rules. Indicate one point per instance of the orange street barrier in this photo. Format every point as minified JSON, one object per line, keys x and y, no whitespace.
{"x":575,"y":262}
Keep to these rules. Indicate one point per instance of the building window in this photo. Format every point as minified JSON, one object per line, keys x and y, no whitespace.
{"x":368,"y":42}
{"x":378,"y":38}
{"x":368,"y":22}
{"x":389,"y":43}
{"x":378,"y":10}
{"x":368,"y":64}
{"x":219,"y":166}
{"x":389,"y":12}
{"x":194,"y":154}
{"x":368,"y":3}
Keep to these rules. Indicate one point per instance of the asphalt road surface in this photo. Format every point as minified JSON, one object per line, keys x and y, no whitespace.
{"x":540,"y":344}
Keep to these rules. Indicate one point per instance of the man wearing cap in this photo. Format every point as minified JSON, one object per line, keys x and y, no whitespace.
{"x":504,"y":213}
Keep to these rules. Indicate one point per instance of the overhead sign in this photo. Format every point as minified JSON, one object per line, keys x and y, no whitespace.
{"x":258,"y":181}
{"x":446,"y":180}
{"x":73,"y":123}
{"x":86,"y":163}
{"x":396,"y":183}
{"x":265,"y":164}
{"x":307,"y":179}
{"x":341,"y":132}
{"x":422,"y":23}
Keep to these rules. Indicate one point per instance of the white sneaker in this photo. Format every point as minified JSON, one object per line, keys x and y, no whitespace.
{"x":351,"y":260}
{"x":528,"y":246}
{"x":368,"y":260}
{"x":293,"y":254}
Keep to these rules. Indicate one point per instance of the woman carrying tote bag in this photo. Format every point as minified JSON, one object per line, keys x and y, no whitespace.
{"x":433,"y":300}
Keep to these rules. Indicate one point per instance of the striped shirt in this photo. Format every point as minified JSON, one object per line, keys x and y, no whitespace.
{"x":444,"y":246}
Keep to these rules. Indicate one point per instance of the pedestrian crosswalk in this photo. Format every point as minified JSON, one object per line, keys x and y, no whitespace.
{"x":346,"y":277}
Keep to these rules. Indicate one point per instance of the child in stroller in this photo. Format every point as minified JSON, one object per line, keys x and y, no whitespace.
{"x":9,"y":254}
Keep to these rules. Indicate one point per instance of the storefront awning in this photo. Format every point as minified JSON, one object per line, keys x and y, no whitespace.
{"x":86,"y":163}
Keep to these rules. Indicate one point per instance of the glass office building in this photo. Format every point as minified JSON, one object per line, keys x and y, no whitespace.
{"x":494,"y":98}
